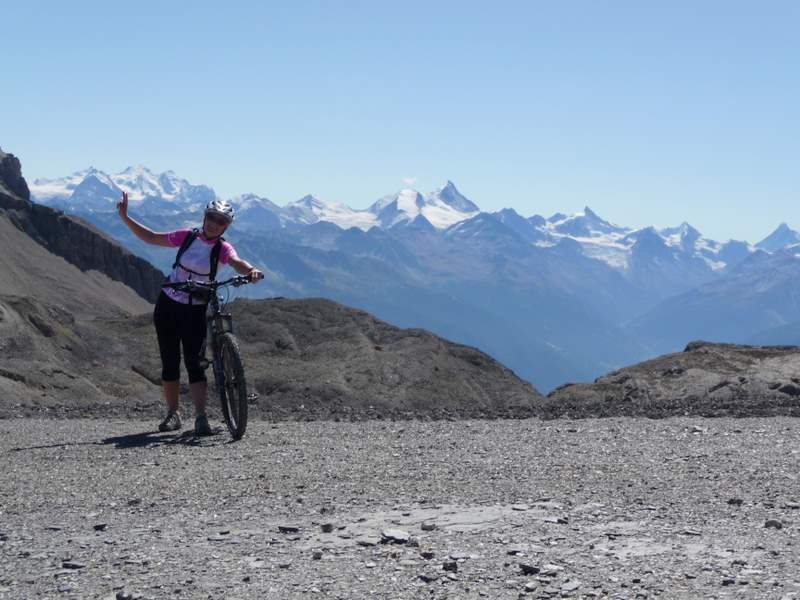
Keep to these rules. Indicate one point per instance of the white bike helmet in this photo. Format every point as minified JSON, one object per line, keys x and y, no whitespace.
{"x":221,"y":207}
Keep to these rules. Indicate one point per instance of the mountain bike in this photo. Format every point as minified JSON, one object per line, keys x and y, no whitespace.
{"x":226,"y":358}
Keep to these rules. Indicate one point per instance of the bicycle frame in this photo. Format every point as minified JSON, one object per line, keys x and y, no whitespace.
{"x":218,"y":323}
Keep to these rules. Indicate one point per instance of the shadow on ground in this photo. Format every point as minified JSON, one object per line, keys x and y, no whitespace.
{"x":142,"y":440}
{"x":151,"y":438}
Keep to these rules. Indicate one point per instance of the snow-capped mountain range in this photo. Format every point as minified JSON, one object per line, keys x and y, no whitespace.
{"x":562,"y":298}
{"x":92,"y":190}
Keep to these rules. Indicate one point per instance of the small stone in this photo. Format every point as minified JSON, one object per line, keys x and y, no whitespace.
{"x":728,"y":581}
{"x":428,"y":526}
{"x":288,"y":528}
{"x":284,"y":565}
{"x":428,"y":577}
{"x":395,"y":536}
{"x":134,"y":502}
{"x":551,"y":569}
{"x":520,"y":507}
{"x":773,"y":524}
{"x":70,"y":564}
{"x":570,"y":586}
{"x":531,"y":586}
{"x":367,"y":541}
{"x":370,"y":565}
{"x":450,"y":565}
{"x":100,"y":527}
{"x":528,"y":569}
{"x":735,"y":501}
{"x":316,"y":555}
{"x":326,"y":527}
{"x":427,"y":554}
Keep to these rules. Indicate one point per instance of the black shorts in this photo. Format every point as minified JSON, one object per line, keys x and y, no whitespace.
{"x":180,"y":324}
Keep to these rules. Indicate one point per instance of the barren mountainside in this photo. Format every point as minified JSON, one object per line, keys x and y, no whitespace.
{"x":77,"y":340}
{"x":705,"y":379}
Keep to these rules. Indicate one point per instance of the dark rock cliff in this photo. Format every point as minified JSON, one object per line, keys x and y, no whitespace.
{"x":11,"y":177}
{"x":71,"y":238}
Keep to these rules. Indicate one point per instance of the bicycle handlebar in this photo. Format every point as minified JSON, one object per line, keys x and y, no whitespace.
{"x":191,"y":286}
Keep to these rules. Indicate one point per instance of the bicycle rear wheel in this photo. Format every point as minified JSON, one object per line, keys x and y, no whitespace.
{"x":233,"y":391}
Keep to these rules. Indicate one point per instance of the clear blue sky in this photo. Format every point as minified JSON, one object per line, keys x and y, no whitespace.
{"x":649,"y":112}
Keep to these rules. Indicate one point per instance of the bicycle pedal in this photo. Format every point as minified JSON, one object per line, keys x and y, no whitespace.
{"x":252,"y":398}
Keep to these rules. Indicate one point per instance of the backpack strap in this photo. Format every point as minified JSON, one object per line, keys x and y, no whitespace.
{"x":187,"y":241}
{"x":215,"y":252}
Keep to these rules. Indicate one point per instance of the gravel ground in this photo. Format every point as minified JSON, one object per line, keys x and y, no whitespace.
{"x":619,"y":508}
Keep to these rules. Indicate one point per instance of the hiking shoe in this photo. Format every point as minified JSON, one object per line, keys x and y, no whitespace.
{"x":172,"y":422}
{"x":201,"y":426}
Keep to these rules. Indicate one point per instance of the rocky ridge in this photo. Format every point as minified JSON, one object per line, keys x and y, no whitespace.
{"x":705,"y":379}
{"x":70,"y":237}
{"x":305,"y":360}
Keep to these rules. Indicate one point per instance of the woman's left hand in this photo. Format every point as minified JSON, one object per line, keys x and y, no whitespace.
{"x":256,"y":275}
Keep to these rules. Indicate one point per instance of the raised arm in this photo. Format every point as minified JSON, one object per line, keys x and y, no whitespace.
{"x":143,"y":233}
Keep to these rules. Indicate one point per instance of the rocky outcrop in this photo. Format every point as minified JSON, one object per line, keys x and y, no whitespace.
{"x":14,"y":191}
{"x":705,"y":379}
{"x":320,"y":359}
{"x":11,"y":180}
{"x":305,"y":360}
{"x":72,"y":238}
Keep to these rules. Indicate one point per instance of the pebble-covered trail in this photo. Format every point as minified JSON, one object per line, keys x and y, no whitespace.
{"x":609,"y":508}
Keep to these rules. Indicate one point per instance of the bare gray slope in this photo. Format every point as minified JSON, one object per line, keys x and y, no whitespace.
{"x":28,"y":269}
{"x":311,"y":359}
{"x":306,"y":359}
{"x":705,"y":379}
{"x":45,"y":305}
{"x":612,"y":508}
{"x":337,"y":361}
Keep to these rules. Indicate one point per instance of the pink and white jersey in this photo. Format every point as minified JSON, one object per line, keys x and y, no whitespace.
{"x":196,"y":261}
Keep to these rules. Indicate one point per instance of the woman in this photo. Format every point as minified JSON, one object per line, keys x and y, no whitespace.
{"x":181,"y":319}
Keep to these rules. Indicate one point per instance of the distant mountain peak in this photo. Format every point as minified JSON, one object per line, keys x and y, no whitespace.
{"x":449,"y":195}
{"x":782,"y":237}
{"x":139,"y":168}
{"x":586,"y":224}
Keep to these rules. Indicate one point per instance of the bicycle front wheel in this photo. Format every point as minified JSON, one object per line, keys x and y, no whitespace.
{"x":233,"y":388}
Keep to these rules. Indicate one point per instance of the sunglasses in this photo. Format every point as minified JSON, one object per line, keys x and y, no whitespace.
{"x":217,"y":219}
